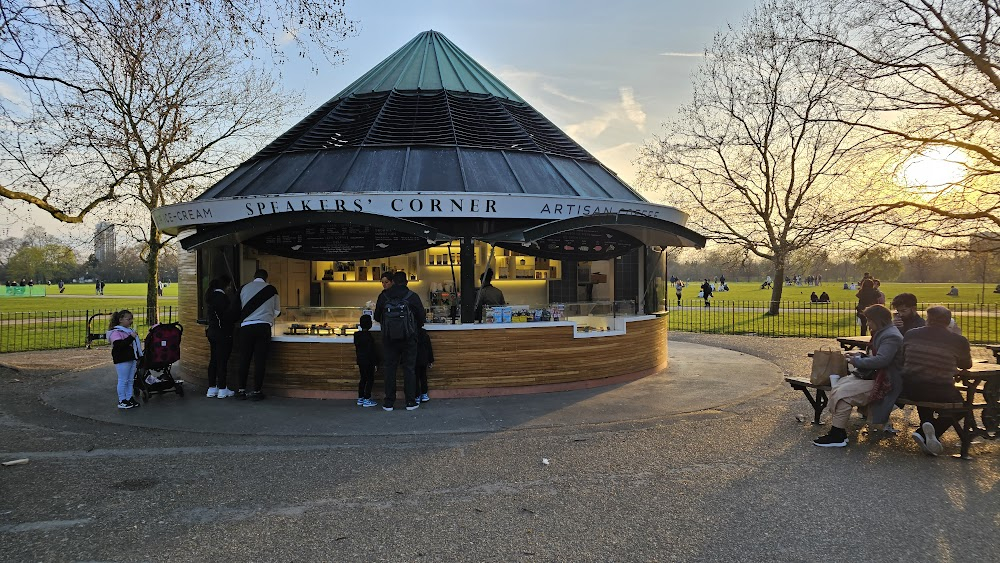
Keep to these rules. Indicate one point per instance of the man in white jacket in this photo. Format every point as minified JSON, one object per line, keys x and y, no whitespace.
{"x":260,"y":306}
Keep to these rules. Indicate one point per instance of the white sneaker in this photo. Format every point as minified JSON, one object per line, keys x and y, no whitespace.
{"x":225,"y":393}
{"x":212,"y":392}
{"x":930,"y":438}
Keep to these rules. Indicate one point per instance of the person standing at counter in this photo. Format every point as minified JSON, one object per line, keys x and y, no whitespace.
{"x":260,"y":306}
{"x":425,"y":360}
{"x":400,"y":317}
{"x":221,"y":318}
{"x":367,"y":356}
{"x":489,"y":296}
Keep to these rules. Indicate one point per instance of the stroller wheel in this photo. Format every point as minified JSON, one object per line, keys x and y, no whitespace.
{"x":179,"y":388}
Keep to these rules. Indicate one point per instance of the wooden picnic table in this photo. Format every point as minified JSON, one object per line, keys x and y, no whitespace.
{"x":981,"y":379}
{"x":852,"y":342}
{"x":995,"y":348}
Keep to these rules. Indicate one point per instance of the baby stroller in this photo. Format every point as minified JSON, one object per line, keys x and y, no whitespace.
{"x":162,"y":348}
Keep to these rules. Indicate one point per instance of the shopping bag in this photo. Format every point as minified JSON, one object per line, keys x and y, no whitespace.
{"x":827,"y":362}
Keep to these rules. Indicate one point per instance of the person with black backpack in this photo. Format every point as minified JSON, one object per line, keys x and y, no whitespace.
{"x":400,"y":317}
{"x":260,"y":307}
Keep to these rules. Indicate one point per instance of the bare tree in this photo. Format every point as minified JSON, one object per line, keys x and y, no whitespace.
{"x":931,"y":69}
{"x":762,"y":156}
{"x":164,"y":112}
{"x":45,"y":47}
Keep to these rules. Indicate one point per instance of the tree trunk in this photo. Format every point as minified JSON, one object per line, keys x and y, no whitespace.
{"x":153,"y":274}
{"x":776,"y":289}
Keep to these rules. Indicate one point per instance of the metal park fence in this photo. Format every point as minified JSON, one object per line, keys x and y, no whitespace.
{"x":980,"y":322}
{"x":50,"y":330}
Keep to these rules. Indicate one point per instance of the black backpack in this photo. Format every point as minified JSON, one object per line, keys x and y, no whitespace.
{"x":397,"y":319}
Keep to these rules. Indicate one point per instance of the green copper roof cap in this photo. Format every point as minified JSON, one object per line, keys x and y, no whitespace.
{"x":430,"y":62}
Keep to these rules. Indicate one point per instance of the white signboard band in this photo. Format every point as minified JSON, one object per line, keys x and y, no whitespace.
{"x":411,"y":205}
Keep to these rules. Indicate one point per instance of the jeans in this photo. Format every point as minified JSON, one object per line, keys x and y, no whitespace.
{"x":405,"y":354}
{"x":220,"y":348}
{"x":367,"y":380}
{"x":126,"y":375}
{"x":255,"y":340}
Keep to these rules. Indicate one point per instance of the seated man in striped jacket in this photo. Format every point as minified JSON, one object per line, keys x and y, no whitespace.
{"x":932,"y":355}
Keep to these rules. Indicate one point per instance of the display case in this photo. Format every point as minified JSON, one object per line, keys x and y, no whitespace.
{"x":318,"y":321}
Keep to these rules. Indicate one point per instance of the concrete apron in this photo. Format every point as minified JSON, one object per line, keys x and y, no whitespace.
{"x":699,"y":378}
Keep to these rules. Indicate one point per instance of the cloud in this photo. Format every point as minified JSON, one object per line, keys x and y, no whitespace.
{"x":681,"y":54}
{"x":549,"y":88}
{"x":633,"y":110}
{"x":590,"y":128}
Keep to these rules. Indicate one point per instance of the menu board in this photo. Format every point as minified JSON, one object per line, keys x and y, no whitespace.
{"x":589,"y":243}
{"x":337,"y":241}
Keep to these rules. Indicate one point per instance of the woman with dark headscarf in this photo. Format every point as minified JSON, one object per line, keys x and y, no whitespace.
{"x":867,"y":296}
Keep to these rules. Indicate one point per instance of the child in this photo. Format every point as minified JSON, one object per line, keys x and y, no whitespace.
{"x":125,"y":350}
{"x":425,"y":360}
{"x":364,"y":348}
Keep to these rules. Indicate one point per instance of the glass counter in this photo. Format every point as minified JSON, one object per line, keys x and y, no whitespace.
{"x":318,"y":321}
{"x":589,"y":316}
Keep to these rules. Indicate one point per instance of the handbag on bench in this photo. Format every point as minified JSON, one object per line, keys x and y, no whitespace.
{"x":827,"y":362}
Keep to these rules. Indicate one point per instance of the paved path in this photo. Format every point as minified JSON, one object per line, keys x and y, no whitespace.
{"x":704,"y":462}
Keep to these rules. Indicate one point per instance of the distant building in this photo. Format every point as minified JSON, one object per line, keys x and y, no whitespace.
{"x":105,"y":249}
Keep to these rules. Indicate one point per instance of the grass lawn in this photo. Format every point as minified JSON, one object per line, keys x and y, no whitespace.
{"x":80,"y":297}
{"x":925,"y":292}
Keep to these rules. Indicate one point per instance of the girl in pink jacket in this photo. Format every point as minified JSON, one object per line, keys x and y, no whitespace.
{"x":126,"y":349}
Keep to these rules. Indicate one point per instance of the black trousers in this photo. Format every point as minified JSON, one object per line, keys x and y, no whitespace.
{"x":421,"y":373}
{"x":400,"y":354}
{"x":943,"y":393}
{"x":255,"y":342}
{"x":220,"y":348}
{"x":367,"y":380}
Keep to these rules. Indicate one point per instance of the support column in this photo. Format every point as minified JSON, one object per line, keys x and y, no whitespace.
{"x":467,"y":279}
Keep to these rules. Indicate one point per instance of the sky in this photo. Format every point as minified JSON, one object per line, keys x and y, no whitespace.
{"x":607,"y":73}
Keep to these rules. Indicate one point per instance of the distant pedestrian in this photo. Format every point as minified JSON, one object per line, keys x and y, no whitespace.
{"x":97,"y":287}
{"x":953,"y":292}
{"x":706,"y":291}
{"x":678,"y":288}
{"x":62,"y":286}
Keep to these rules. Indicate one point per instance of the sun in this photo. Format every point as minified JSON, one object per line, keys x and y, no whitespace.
{"x":933,"y":170}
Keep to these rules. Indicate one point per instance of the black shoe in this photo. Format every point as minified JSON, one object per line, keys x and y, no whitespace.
{"x":387,"y":407}
{"x":256,"y":396}
{"x":832,"y":440}
{"x":412,"y":406}
{"x":241,"y":394}
{"x":134,"y":402}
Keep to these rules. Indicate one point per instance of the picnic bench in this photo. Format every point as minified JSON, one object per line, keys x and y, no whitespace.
{"x":981,"y":380}
{"x":91,"y":335}
{"x":995,"y":348}
{"x":854,"y":342}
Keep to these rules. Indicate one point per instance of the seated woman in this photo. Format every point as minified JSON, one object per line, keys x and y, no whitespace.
{"x":824,"y":297}
{"x":814,"y":298}
{"x":856,"y":390}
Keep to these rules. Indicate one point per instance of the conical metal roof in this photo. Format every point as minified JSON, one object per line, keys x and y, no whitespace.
{"x":428,"y":118}
{"x":430,"y":62}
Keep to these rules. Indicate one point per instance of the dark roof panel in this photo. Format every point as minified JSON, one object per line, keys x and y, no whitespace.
{"x":376,"y":171}
{"x":488,"y":171}
{"x":433,"y":170}
{"x":537,"y":175}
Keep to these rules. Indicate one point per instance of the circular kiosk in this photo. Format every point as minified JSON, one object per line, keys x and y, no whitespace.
{"x":430,"y":165}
